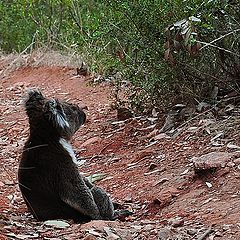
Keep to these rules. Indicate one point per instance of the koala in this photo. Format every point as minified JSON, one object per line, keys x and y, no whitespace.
{"x":49,"y":180}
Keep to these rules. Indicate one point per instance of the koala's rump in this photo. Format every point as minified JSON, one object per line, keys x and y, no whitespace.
{"x":48,"y":206}
{"x":40,"y":180}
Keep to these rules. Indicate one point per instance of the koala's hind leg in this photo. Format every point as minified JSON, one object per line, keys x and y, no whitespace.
{"x":79,"y":196}
{"x":104,"y":203}
{"x":106,"y":207}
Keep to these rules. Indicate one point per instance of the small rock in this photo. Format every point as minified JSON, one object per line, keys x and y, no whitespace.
{"x":164,"y":198}
{"x":152,"y":166}
{"x":142,"y":154}
{"x":191,"y":231}
{"x":90,"y":237}
{"x":178,"y":222}
{"x":165,"y":234}
{"x":110,"y":234}
{"x":230,"y":164}
{"x":128,"y":199}
{"x":9,"y":182}
{"x":161,"y":181}
{"x":185,"y":172}
{"x":237,"y":161}
{"x":137,"y":227}
{"x":218,"y":234}
{"x":213,"y":160}
{"x":94,"y":232}
{"x":223,"y":171}
{"x":226,"y":227}
{"x":123,"y":114}
{"x":149,"y":227}
{"x":232,"y":146}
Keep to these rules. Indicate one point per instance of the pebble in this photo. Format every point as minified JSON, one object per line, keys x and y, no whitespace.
{"x":178,"y":222}
{"x":191,"y":231}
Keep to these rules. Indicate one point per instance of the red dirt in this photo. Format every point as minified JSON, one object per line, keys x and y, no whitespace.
{"x":124,"y":152}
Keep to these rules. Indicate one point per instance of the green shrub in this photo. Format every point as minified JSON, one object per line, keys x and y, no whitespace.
{"x":143,"y":40}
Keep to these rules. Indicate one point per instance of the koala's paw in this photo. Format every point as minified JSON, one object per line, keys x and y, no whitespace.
{"x":121,"y":214}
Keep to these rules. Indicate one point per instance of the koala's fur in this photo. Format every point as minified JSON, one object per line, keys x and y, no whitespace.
{"x":49,"y":180}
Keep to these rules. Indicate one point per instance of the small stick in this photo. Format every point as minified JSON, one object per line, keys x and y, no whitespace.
{"x":207,"y":232}
{"x":103,"y":149}
{"x":38,"y":146}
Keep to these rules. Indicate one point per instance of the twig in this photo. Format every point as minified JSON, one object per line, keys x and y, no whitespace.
{"x":103,"y":149}
{"x":20,"y":55}
{"x":33,"y":41}
{"x":207,"y":232}
{"x":200,"y":114}
{"x":217,"y":39}
{"x":43,"y":145}
{"x":95,"y":156}
{"x":220,"y":48}
{"x":24,"y":186}
{"x":9,"y":175}
{"x":200,"y":72}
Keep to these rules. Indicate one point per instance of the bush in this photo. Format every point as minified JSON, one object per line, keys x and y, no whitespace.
{"x":198,"y":39}
{"x":147,"y":32}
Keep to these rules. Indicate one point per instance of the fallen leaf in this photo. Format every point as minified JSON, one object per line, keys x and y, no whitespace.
{"x":221,"y":134}
{"x":209,"y":184}
{"x":96,"y":177}
{"x":161,"y":136}
{"x":22,"y":236}
{"x":232,"y":146}
{"x":110,"y":234}
{"x":56,"y":223}
{"x":93,"y":232}
{"x":155,"y":171}
{"x":185,"y":172}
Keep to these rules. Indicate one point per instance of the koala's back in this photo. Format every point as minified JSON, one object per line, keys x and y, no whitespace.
{"x":41,"y":172}
{"x":49,"y":180}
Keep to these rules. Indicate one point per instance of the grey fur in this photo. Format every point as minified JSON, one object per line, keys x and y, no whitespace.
{"x":49,"y":180}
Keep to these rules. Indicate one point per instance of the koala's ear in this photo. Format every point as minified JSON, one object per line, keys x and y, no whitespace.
{"x":33,"y":101}
{"x":55,"y":114}
{"x":33,"y":95}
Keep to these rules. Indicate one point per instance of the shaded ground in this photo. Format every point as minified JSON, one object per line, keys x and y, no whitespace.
{"x":154,"y":179}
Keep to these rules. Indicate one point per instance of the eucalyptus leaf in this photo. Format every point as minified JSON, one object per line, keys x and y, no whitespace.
{"x":96,"y":177}
{"x":56,"y":223}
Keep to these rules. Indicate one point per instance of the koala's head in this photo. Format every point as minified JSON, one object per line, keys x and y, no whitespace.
{"x":53,"y":115}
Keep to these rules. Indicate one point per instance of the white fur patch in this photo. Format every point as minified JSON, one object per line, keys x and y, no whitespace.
{"x":61,"y":121}
{"x":67,"y":146}
{"x":60,"y":117}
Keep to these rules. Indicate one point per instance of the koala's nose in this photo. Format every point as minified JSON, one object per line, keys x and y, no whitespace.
{"x":82,"y":117}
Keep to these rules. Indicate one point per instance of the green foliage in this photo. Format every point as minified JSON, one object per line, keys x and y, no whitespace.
{"x":130,"y":37}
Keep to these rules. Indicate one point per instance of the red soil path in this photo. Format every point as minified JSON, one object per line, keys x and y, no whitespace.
{"x":146,"y":178}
